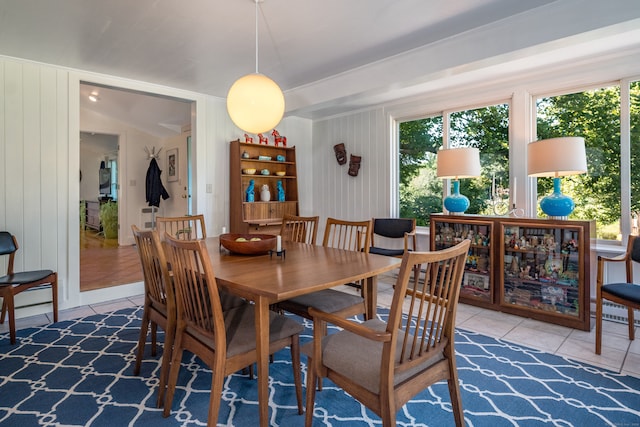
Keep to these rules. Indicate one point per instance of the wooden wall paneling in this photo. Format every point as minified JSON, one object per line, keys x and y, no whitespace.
{"x":49,"y":147}
{"x":14,"y":149}
{"x":32,"y":160}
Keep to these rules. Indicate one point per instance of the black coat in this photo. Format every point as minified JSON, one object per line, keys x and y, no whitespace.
{"x":155,"y":189}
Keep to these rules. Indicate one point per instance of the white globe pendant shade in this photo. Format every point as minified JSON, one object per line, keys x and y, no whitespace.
{"x":255,"y":103}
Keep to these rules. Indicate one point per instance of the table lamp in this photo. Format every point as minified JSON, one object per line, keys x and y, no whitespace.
{"x":458,"y":163}
{"x":557,"y":157}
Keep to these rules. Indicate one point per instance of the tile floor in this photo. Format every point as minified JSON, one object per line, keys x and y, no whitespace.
{"x":618,"y":353}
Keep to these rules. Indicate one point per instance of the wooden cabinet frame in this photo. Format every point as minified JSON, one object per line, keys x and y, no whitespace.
{"x":259,"y":216}
{"x":540,"y":268}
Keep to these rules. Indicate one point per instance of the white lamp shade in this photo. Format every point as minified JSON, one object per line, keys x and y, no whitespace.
{"x":458,"y":163}
{"x":556,"y":157}
{"x":255,"y":103}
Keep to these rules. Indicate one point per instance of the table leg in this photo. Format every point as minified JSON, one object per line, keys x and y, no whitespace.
{"x":371,"y":295}
{"x":262,"y":350}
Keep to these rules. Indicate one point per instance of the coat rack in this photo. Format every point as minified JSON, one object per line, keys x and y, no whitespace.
{"x":151,"y":154}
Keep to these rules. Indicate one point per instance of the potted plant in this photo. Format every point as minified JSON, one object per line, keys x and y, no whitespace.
{"x":109,"y":219}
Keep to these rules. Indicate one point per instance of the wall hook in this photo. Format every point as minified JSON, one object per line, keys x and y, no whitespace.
{"x":151,"y":154}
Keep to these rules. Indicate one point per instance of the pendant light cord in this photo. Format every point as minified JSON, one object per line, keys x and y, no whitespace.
{"x":256,"y":1}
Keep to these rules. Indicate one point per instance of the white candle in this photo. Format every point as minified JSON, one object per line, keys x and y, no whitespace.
{"x":224,"y":230}
{"x":515,"y":186}
{"x":278,"y":243}
{"x":493,"y":186}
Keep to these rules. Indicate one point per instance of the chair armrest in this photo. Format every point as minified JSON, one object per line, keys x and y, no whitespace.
{"x":619,"y":258}
{"x":411,"y":234}
{"x":354,"y":327}
{"x":600,"y":267}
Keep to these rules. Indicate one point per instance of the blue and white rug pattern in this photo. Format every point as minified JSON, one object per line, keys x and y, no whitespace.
{"x":80,"y":373}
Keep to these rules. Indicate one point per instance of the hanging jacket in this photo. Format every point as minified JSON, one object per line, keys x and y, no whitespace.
{"x":155,"y":189}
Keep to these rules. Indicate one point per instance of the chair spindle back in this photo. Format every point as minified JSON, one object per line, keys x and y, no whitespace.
{"x":299,"y":229}
{"x":189,"y":227}
{"x":347,"y":235}
{"x":429,"y":323}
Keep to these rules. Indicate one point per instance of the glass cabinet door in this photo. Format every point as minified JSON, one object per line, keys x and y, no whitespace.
{"x":541,"y":268}
{"x":477,"y":282}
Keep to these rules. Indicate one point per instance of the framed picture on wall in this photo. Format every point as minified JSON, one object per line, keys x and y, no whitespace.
{"x":172,"y":164}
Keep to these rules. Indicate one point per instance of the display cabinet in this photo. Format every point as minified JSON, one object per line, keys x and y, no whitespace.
{"x":537,"y":268}
{"x":545,"y":270}
{"x":265,"y":165}
{"x":478,"y":280}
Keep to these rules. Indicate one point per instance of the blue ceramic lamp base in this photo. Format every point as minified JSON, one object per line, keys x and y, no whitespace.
{"x":556,"y":205}
{"x":456,"y":203}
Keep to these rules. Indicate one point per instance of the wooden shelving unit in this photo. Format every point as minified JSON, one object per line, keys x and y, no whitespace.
{"x":537,"y":268}
{"x":259,"y":216}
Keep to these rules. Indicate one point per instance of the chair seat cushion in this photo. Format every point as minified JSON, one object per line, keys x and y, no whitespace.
{"x":627,"y":291}
{"x":24,"y":277}
{"x":386,"y":252}
{"x":240,"y":326}
{"x":359,"y":359}
{"x":327,"y":300}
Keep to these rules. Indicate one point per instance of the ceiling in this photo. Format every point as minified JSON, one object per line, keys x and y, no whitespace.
{"x":205,"y":45}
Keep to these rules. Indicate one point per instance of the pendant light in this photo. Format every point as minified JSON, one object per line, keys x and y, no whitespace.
{"x":255,"y":103}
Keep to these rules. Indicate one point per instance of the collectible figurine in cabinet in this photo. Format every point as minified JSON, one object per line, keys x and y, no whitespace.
{"x":250,"y":192}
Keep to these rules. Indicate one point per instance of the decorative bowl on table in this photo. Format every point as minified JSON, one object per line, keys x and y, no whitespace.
{"x":248,"y":244}
{"x":249,"y":171}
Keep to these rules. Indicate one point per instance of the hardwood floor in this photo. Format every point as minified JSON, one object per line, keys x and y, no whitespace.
{"x":104,"y":264}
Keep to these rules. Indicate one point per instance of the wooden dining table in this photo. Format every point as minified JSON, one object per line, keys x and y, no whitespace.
{"x":302,"y":269}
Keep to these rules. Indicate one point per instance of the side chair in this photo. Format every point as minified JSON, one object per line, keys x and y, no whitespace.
{"x":403,"y":229}
{"x":303,"y":229}
{"x":383,"y":365}
{"x":16,"y":282}
{"x":159,"y":303}
{"x":395,"y":229}
{"x":224,"y":340}
{"x":188,"y":227}
{"x":626,"y":293}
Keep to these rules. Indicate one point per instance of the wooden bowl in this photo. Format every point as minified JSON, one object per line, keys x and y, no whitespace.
{"x":257,"y":247}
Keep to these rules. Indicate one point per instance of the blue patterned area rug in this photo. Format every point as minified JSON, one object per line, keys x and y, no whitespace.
{"x":79,"y":373}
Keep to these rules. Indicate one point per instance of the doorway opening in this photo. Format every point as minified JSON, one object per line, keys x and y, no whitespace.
{"x":114,"y":175}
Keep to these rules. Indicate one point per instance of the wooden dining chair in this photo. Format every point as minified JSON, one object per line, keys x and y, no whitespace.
{"x":626,"y":293}
{"x":385,"y":364}
{"x":159,"y":303}
{"x":191,"y":227}
{"x":224,"y":341}
{"x":340,"y":234}
{"x":16,"y":282}
{"x":188,"y":227}
{"x":302,"y":229}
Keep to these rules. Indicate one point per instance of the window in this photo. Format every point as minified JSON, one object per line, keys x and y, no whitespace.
{"x":420,"y":188}
{"x":634,"y":142}
{"x":595,"y":116}
{"x":486,"y":128}
{"x":421,"y":191}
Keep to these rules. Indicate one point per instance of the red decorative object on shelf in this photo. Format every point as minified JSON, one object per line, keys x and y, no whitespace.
{"x":263,"y":139}
{"x":278,"y":138}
